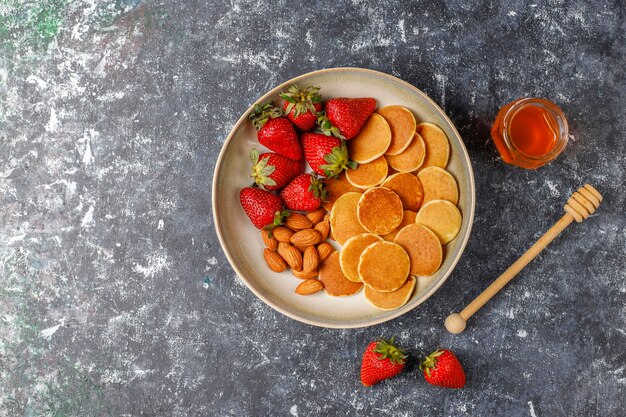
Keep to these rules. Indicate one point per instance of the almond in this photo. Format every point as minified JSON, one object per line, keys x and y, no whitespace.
{"x":270,"y":242}
{"x":305,"y":275}
{"x":297,"y":221}
{"x":324,"y":228}
{"x":282,"y":234}
{"x":306,"y":237}
{"x":324,"y":250}
{"x":291,"y":255}
{"x":308,"y":287}
{"x":316,"y":216}
{"x":310,"y":260}
{"x":274,"y":260}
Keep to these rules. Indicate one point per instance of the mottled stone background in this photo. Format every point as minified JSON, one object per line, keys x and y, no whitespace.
{"x":115,"y":297}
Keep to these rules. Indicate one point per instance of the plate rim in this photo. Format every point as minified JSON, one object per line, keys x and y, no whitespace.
{"x":319,"y":323}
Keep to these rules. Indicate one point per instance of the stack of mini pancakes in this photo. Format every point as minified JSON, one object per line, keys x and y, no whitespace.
{"x":394,"y":213}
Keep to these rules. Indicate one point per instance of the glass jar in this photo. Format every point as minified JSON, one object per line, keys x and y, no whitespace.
{"x":530,"y":132}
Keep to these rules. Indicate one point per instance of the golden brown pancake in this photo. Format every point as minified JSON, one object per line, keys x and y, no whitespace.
{"x":402,"y":124}
{"x":384,"y":266}
{"x":335,"y":282}
{"x":391,"y":300}
{"x":411,"y":158}
{"x":423,"y":247}
{"x":372,"y":141}
{"x":408,"y":218}
{"x":368,"y":175}
{"x":379,"y":210}
{"x":442,"y":217}
{"x":437,"y":145}
{"x":351,"y":253}
{"x":335,"y":188}
{"x":438,"y":184}
{"x":408,"y":188}
{"x":344,"y":222}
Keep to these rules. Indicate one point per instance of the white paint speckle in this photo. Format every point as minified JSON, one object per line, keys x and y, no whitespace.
{"x":402,"y":31}
{"x":155,"y":263}
{"x":522,"y":333}
{"x":15,"y":238}
{"x":554,"y":192}
{"x":160,"y":225}
{"x":88,"y":217}
{"x":511,"y":13}
{"x":53,"y":122}
{"x":212,"y":261}
{"x":294,"y":410}
{"x":47,"y":333}
{"x":532,"y":409}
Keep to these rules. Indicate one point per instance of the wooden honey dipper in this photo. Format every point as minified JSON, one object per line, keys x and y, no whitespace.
{"x":580,"y":205}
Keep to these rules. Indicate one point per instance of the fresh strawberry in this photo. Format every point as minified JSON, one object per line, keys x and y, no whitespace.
{"x":326,"y":155}
{"x":272,"y":171}
{"x":275,"y":131}
{"x":443,"y":369}
{"x":304,"y":193}
{"x":264,"y":208}
{"x":302,"y":105}
{"x":349,"y":114}
{"x":381,"y":360}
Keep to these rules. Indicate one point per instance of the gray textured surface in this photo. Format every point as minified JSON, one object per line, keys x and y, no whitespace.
{"x":115,"y":297}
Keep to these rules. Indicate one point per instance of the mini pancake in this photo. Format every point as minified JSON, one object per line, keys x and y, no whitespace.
{"x":384,"y":266}
{"x":335,"y":282}
{"x":438,"y":184}
{"x":437,"y":145}
{"x":442,"y":217}
{"x":372,"y":141}
{"x":335,"y":188}
{"x":368,"y":175}
{"x":379,"y":210}
{"x":407,"y":219}
{"x":408,"y":188}
{"x":391,"y":300}
{"x":402,"y":124}
{"x":423,"y":247}
{"x":344,"y":222}
{"x":351,"y":253}
{"x":411,"y":158}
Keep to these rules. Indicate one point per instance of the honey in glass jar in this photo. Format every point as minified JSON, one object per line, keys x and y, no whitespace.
{"x":530,"y":132}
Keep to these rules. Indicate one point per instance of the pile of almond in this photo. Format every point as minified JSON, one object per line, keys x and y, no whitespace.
{"x":300,"y":244}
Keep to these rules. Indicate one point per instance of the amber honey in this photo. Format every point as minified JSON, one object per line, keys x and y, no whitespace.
{"x":530,"y":132}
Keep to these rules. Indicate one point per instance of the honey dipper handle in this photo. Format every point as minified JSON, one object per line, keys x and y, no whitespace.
{"x":513,"y":270}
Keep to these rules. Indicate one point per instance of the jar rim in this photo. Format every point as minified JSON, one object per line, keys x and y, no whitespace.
{"x":559,"y":117}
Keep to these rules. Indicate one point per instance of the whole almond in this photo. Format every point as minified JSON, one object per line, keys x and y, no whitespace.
{"x":308,"y":287}
{"x":291,"y":255}
{"x":324,"y":228}
{"x":305,"y":275}
{"x":310,"y":259}
{"x":316,"y":216}
{"x":270,"y":242}
{"x":282,"y":234}
{"x":297,"y":221}
{"x":274,"y":260}
{"x":306,"y":237}
{"x":324,"y":250}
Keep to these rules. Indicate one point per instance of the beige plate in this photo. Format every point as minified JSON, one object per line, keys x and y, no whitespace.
{"x":242,"y":242}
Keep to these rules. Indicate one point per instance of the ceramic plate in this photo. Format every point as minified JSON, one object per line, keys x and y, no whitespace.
{"x":242,"y":242}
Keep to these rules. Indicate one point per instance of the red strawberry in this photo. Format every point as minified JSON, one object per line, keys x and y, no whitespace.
{"x":275,"y":131}
{"x":264,"y":208}
{"x":272,"y":171}
{"x":349,"y":114}
{"x":304,"y":193}
{"x":302,"y":106}
{"x":326,"y":155}
{"x":443,"y":369}
{"x":381,"y":360}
